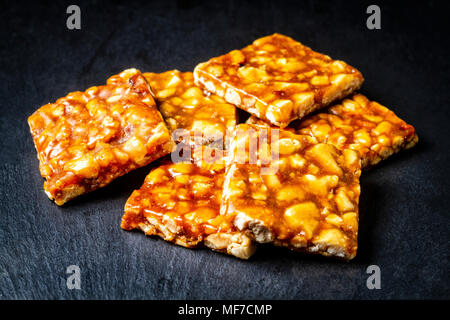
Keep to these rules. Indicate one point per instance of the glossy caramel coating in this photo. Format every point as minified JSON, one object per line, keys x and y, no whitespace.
{"x":87,"y":139}
{"x":309,"y":202}
{"x":278,"y":79}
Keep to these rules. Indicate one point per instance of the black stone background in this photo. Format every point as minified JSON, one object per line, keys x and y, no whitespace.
{"x":404,"y":218}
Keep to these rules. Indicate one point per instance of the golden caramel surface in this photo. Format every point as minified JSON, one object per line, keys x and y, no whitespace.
{"x":358,"y":124}
{"x":87,"y":139}
{"x":278,"y":79}
{"x":185,"y":106}
{"x":308,"y":203}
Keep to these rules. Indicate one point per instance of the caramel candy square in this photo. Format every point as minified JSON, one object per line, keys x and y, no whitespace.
{"x":308,"y":201}
{"x":278,"y":79}
{"x":180,"y":202}
{"x":87,"y":139}
{"x":358,"y":124}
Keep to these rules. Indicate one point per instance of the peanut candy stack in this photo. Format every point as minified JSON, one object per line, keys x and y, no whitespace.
{"x":180,"y":202}
{"x":278,"y":79}
{"x":306,"y":201}
{"x":185,"y":106}
{"x":87,"y":139}
{"x":359,"y":124}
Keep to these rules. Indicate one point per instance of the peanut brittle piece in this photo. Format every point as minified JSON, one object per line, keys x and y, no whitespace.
{"x":180,"y":202}
{"x":359,"y":124}
{"x":278,"y":79}
{"x":363,"y":125}
{"x":87,"y":139}
{"x":308,"y":201}
{"x":186,"y":106}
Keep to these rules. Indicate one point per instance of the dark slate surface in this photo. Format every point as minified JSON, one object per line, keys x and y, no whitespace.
{"x":404,"y":204}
